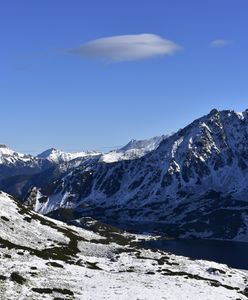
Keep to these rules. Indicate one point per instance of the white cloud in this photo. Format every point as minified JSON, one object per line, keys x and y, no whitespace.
{"x":219,"y":43}
{"x":127,"y":47}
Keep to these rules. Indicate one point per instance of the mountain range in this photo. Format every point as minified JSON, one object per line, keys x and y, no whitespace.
{"x":191,"y":184}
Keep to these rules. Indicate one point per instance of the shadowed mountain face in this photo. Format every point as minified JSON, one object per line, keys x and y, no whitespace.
{"x":194,"y":182}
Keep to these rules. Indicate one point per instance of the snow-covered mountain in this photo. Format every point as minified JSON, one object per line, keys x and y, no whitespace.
{"x":134,"y":149}
{"x":52,"y":164}
{"x":195,"y":182}
{"x":46,"y":259}
{"x":13,"y":163}
{"x":8,"y":156}
{"x":58,"y":156}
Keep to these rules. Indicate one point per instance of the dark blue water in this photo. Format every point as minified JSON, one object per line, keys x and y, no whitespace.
{"x":234,"y":254}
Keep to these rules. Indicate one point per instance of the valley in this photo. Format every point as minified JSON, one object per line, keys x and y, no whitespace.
{"x":168,"y":213}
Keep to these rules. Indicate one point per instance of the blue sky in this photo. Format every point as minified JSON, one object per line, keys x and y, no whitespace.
{"x":52,"y":97}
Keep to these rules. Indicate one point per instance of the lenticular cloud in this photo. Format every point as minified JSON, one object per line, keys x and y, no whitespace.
{"x":127,"y":47}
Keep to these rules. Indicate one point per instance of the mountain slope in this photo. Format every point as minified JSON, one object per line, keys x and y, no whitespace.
{"x":195,"y":182}
{"x":45,"y":259}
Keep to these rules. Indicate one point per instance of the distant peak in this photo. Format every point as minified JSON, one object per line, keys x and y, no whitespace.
{"x":59,"y":156}
{"x":214,"y":111}
{"x":52,"y":149}
{"x":3,"y":146}
{"x":47,"y":152}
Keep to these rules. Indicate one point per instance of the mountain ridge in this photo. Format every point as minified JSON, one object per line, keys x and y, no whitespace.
{"x":205,"y":160}
{"x":194,"y":181}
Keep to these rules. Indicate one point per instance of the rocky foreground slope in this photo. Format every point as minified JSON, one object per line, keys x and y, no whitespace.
{"x":41,"y":258}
